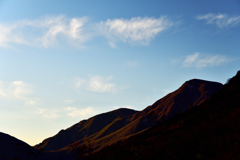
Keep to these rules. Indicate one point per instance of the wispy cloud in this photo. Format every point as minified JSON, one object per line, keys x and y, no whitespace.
{"x":221,"y":20}
{"x":199,"y":61}
{"x":17,"y":90}
{"x":8,"y":34}
{"x":50,"y":31}
{"x":80,"y":113}
{"x":57,"y":27}
{"x":96,"y":84}
{"x":67,"y":111}
{"x":48,"y":113}
{"x":100,"y":84}
{"x":46,"y":31}
{"x":127,"y":106}
{"x":136,"y":30}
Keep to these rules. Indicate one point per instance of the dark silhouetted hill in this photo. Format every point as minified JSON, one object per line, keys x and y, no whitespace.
{"x":11,"y":148}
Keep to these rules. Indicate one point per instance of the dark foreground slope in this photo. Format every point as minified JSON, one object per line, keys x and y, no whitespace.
{"x":208,"y":131}
{"x":12,"y":148}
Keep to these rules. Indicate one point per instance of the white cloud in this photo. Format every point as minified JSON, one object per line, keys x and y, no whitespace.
{"x":48,"y":113}
{"x":127,"y":106}
{"x":15,"y":89}
{"x":57,"y":27}
{"x":49,"y":31}
{"x":199,"y":61}
{"x":100,"y":84}
{"x":80,"y":113}
{"x":69,"y":111}
{"x":46,"y":31}
{"x":9,"y":35}
{"x":95,"y":84}
{"x":221,"y":20}
{"x":136,"y":30}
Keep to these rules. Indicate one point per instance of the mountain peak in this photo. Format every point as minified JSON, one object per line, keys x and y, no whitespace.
{"x":191,"y":93}
{"x":200,"y":81}
{"x":234,"y":80}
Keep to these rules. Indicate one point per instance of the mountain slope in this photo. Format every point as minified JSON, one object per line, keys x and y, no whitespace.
{"x":108,"y":128}
{"x":191,"y":93}
{"x":83,"y":129}
{"x":208,"y":131}
{"x":10,"y":148}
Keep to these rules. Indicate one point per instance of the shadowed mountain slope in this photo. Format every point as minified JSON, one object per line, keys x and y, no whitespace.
{"x":83,"y":129}
{"x":109,"y":128}
{"x":11,"y":147}
{"x":208,"y":131}
{"x":191,"y":93}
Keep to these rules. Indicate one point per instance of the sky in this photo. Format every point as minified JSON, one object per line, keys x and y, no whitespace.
{"x":65,"y":61}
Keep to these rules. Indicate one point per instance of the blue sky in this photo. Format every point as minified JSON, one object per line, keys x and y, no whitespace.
{"x":65,"y":61}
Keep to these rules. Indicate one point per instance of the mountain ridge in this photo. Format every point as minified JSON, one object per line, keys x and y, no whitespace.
{"x":209,"y":131}
{"x":118,"y":128}
{"x":84,"y":128}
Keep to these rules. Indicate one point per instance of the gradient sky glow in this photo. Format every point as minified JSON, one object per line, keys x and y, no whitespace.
{"x":65,"y":61}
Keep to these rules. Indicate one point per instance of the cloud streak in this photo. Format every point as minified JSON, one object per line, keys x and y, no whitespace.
{"x":100,"y":84}
{"x":47,"y":31}
{"x":96,"y":84}
{"x":48,"y":113}
{"x":8,"y":34}
{"x":82,"y":113}
{"x":220,"y":20}
{"x":128,"y":106}
{"x":199,"y":61}
{"x":17,"y":90}
{"x":136,"y":30}
{"x":51,"y":31}
{"x":71,"y":29}
{"x":67,"y":111}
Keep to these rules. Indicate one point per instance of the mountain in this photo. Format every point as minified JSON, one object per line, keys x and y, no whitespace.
{"x":84,"y":129}
{"x":113,"y":127}
{"x":191,"y":93}
{"x":11,"y":148}
{"x":210,"y":130}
